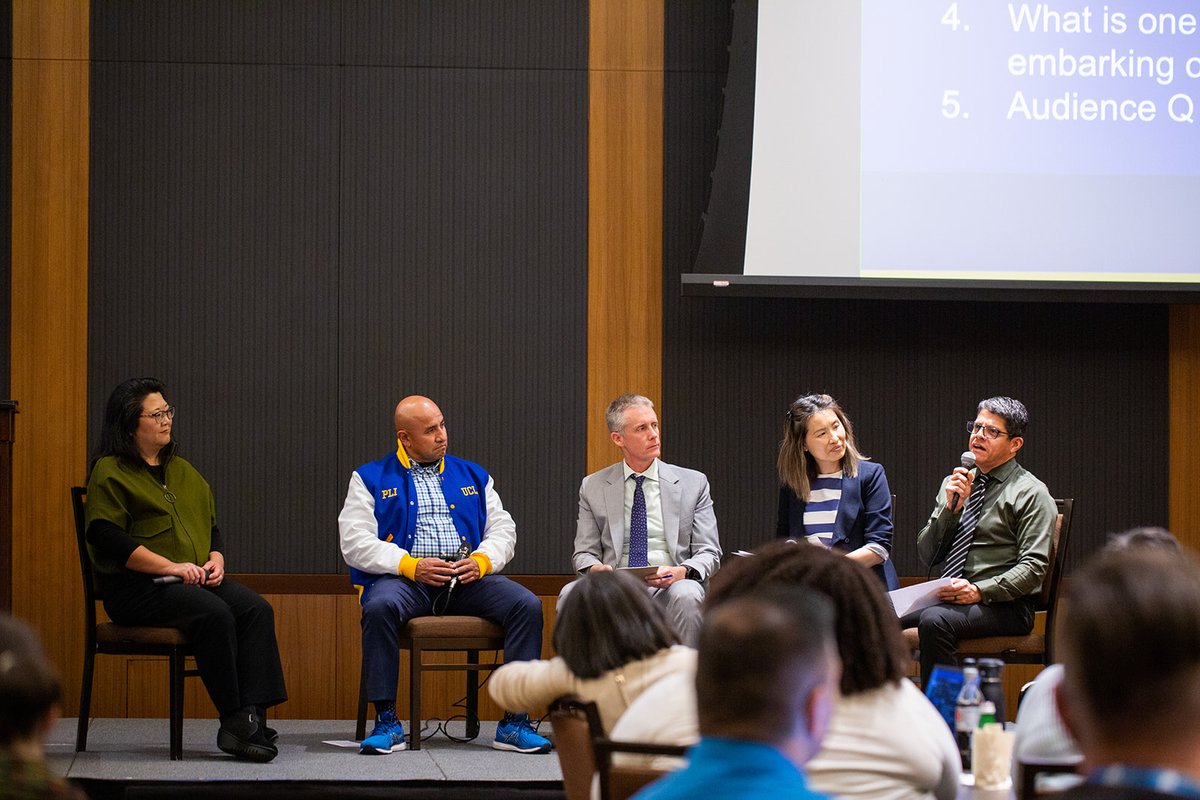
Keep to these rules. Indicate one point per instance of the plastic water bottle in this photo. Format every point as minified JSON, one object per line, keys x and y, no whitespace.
{"x":991,"y":685}
{"x":966,"y":714}
{"x":987,"y":713}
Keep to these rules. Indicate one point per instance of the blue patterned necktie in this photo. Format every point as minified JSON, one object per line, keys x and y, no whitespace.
{"x":637,"y":526}
{"x":956,"y":560}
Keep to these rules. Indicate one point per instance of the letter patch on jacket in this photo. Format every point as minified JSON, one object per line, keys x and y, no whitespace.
{"x":388,"y":493}
{"x":470,"y":490}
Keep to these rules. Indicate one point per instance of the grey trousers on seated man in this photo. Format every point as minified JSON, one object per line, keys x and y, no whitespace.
{"x":682,"y":602}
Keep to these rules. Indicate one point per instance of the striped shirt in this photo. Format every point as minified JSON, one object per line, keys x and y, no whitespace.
{"x":820,"y":512}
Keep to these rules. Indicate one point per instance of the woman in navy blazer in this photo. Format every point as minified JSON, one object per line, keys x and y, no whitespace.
{"x":817,"y":457}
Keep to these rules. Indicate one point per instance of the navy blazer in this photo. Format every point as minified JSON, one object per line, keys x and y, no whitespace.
{"x":864,"y":515}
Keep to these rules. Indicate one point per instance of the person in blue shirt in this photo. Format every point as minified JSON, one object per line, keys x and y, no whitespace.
{"x":766,"y":679}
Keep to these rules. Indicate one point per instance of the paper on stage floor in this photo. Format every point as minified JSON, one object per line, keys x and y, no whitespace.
{"x":918,"y":596}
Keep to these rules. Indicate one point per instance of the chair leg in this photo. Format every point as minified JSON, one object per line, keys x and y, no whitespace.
{"x":414,"y":697}
{"x":360,"y":726}
{"x":176,"y":680}
{"x":472,"y":695}
{"x":85,"y":698}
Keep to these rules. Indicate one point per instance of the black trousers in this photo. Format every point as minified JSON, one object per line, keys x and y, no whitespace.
{"x":940,"y":627}
{"x":231,"y":628}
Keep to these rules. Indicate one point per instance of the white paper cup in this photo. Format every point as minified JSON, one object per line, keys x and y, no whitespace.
{"x":991,"y":757}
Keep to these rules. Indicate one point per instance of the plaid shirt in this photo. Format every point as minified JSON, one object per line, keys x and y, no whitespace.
{"x":436,"y":535}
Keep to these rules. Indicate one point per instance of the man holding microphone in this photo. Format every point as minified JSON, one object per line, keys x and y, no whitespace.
{"x":990,"y":534}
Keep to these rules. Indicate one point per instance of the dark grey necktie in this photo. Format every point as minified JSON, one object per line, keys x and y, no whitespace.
{"x":956,"y":560}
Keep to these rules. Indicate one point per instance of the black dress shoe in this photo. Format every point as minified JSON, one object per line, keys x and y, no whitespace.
{"x":241,"y":737}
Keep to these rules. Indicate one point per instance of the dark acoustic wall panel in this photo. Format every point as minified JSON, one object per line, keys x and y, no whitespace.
{"x":463,"y":234}
{"x":217,"y":31}
{"x":473,"y":34}
{"x":294,"y":231}
{"x":908,"y":373}
{"x":213,"y":266}
{"x":5,"y":196}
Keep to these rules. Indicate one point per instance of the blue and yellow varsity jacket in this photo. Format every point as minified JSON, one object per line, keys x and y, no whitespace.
{"x":391,"y":484}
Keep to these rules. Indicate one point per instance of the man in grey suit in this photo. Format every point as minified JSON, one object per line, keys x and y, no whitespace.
{"x":643,"y":512}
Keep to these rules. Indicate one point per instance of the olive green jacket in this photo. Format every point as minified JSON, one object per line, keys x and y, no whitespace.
{"x":175,"y":521}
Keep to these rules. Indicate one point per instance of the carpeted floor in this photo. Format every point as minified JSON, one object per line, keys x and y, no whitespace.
{"x":129,"y":758}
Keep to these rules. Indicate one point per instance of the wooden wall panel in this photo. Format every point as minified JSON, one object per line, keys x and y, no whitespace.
{"x":49,"y":314}
{"x":625,"y":167}
{"x":349,"y":659}
{"x":627,"y":35}
{"x":321,"y":646}
{"x":8,"y":413}
{"x":54,"y":30}
{"x":6,"y":153}
{"x":303,"y":624}
{"x":148,"y":691}
{"x":1184,"y":394}
{"x":111,"y":688}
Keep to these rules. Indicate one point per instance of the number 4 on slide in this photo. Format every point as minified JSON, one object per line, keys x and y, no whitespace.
{"x":950,"y":18}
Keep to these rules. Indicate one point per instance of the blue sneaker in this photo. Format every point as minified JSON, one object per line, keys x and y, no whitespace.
{"x":387,"y":737}
{"x":515,"y":732}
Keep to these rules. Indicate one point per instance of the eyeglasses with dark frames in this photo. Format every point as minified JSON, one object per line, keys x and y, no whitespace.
{"x":162,"y":417}
{"x":988,"y":431}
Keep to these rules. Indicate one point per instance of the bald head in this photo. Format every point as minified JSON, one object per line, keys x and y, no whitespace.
{"x":421,"y":428}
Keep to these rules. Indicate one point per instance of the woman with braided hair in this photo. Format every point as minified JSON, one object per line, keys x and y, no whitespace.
{"x":886,"y":741}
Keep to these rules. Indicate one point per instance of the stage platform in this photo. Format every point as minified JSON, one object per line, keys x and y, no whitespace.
{"x":129,"y":758}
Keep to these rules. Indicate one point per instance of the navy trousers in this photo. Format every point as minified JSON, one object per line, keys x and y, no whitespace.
{"x":393,"y":600}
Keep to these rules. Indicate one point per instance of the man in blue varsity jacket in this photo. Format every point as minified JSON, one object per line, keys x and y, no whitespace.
{"x":425,"y":533}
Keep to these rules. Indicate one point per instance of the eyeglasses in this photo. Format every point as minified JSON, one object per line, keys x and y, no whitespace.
{"x":988,"y":431}
{"x":162,"y":417}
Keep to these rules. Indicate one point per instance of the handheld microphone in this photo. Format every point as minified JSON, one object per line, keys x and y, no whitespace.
{"x":464,"y":550}
{"x":968,"y":461}
{"x":164,"y":580}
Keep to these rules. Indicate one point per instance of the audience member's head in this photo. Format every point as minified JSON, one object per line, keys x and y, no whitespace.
{"x":869,"y":641}
{"x":1130,"y":647}
{"x":767,"y":670}
{"x":607,"y":621}
{"x":29,"y":690}
{"x":1138,"y":538}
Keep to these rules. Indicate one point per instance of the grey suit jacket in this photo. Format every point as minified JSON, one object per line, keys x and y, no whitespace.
{"x":688,"y":519}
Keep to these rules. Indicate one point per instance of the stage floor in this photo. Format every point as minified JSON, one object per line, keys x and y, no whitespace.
{"x":135,"y":750}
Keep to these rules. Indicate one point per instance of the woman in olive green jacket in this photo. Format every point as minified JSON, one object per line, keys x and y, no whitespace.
{"x":157,"y":551}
